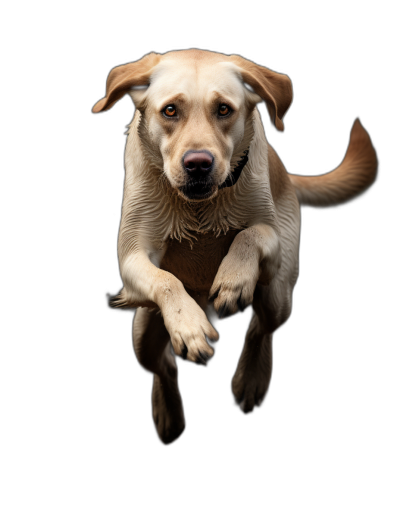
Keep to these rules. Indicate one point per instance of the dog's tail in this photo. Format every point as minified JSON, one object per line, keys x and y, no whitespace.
{"x":354,"y":175}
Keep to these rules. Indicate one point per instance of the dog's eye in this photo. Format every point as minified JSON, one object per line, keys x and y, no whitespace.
{"x":170,"y":110}
{"x":224,"y":110}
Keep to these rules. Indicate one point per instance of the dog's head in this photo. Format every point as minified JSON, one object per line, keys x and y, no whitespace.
{"x":196,"y":112}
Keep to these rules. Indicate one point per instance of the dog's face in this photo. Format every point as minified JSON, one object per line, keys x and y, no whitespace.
{"x":196,"y":112}
{"x":193,"y":121}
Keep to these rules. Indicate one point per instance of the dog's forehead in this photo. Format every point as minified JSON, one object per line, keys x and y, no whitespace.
{"x":196,"y":79}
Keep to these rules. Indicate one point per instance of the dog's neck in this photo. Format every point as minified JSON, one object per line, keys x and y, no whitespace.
{"x":191,"y":218}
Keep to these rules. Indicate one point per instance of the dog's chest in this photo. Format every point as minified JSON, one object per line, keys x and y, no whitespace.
{"x":196,"y":267}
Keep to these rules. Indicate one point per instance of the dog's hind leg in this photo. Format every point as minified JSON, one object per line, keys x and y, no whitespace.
{"x":253,"y":374}
{"x":152,"y":348}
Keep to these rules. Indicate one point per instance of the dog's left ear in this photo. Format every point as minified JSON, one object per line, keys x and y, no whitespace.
{"x":275,"y":89}
{"x":122,"y":78}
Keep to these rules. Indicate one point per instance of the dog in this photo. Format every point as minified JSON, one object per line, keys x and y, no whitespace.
{"x":210,"y":214}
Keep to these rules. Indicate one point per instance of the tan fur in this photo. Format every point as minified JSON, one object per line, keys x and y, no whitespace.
{"x":240,"y":244}
{"x":278,"y":176}
{"x":354,"y":175}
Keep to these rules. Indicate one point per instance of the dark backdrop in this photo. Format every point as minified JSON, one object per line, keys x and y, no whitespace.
{"x":327,"y":401}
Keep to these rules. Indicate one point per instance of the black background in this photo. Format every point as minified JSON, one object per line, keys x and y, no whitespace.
{"x":327,"y":409}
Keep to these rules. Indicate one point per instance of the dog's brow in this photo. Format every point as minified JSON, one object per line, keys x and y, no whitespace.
{"x":218,"y":96}
{"x":176,"y":98}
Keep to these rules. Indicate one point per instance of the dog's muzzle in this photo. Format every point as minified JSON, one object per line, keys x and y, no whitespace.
{"x":198,"y":166}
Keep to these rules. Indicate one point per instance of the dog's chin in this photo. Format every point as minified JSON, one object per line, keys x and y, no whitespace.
{"x":198,"y":191}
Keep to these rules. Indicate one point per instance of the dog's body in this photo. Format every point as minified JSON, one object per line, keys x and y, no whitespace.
{"x":199,"y":223}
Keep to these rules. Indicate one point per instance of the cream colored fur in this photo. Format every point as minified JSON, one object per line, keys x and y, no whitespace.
{"x":238,"y":246}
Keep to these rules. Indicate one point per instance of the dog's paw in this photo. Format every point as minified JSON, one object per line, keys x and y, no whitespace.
{"x":168,"y":414}
{"x":249,"y":388}
{"x":233,"y":287}
{"x":188,"y":327}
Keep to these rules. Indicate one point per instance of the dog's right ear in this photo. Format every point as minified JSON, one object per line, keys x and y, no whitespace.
{"x":122,"y":78}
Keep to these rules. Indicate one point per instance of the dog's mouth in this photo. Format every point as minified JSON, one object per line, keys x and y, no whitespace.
{"x":198,"y":190}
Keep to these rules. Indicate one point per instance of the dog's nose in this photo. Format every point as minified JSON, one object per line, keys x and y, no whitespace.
{"x":198,"y":163}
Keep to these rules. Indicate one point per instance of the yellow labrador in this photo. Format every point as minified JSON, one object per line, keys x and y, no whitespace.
{"x":210,"y":214}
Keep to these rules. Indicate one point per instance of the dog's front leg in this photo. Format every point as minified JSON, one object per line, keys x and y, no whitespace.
{"x":254,"y":256}
{"x":187,"y":324}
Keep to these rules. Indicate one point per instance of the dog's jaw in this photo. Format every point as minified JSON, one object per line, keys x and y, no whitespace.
{"x":198,"y":191}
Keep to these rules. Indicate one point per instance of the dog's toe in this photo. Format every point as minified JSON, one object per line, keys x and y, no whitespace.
{"x":203,"y":358}
{"x":184,"y":352}
{"x":223,"y":311}
{"x":211,"y":342}
{"x":241,"y":303}
{"x":213,"y":295}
